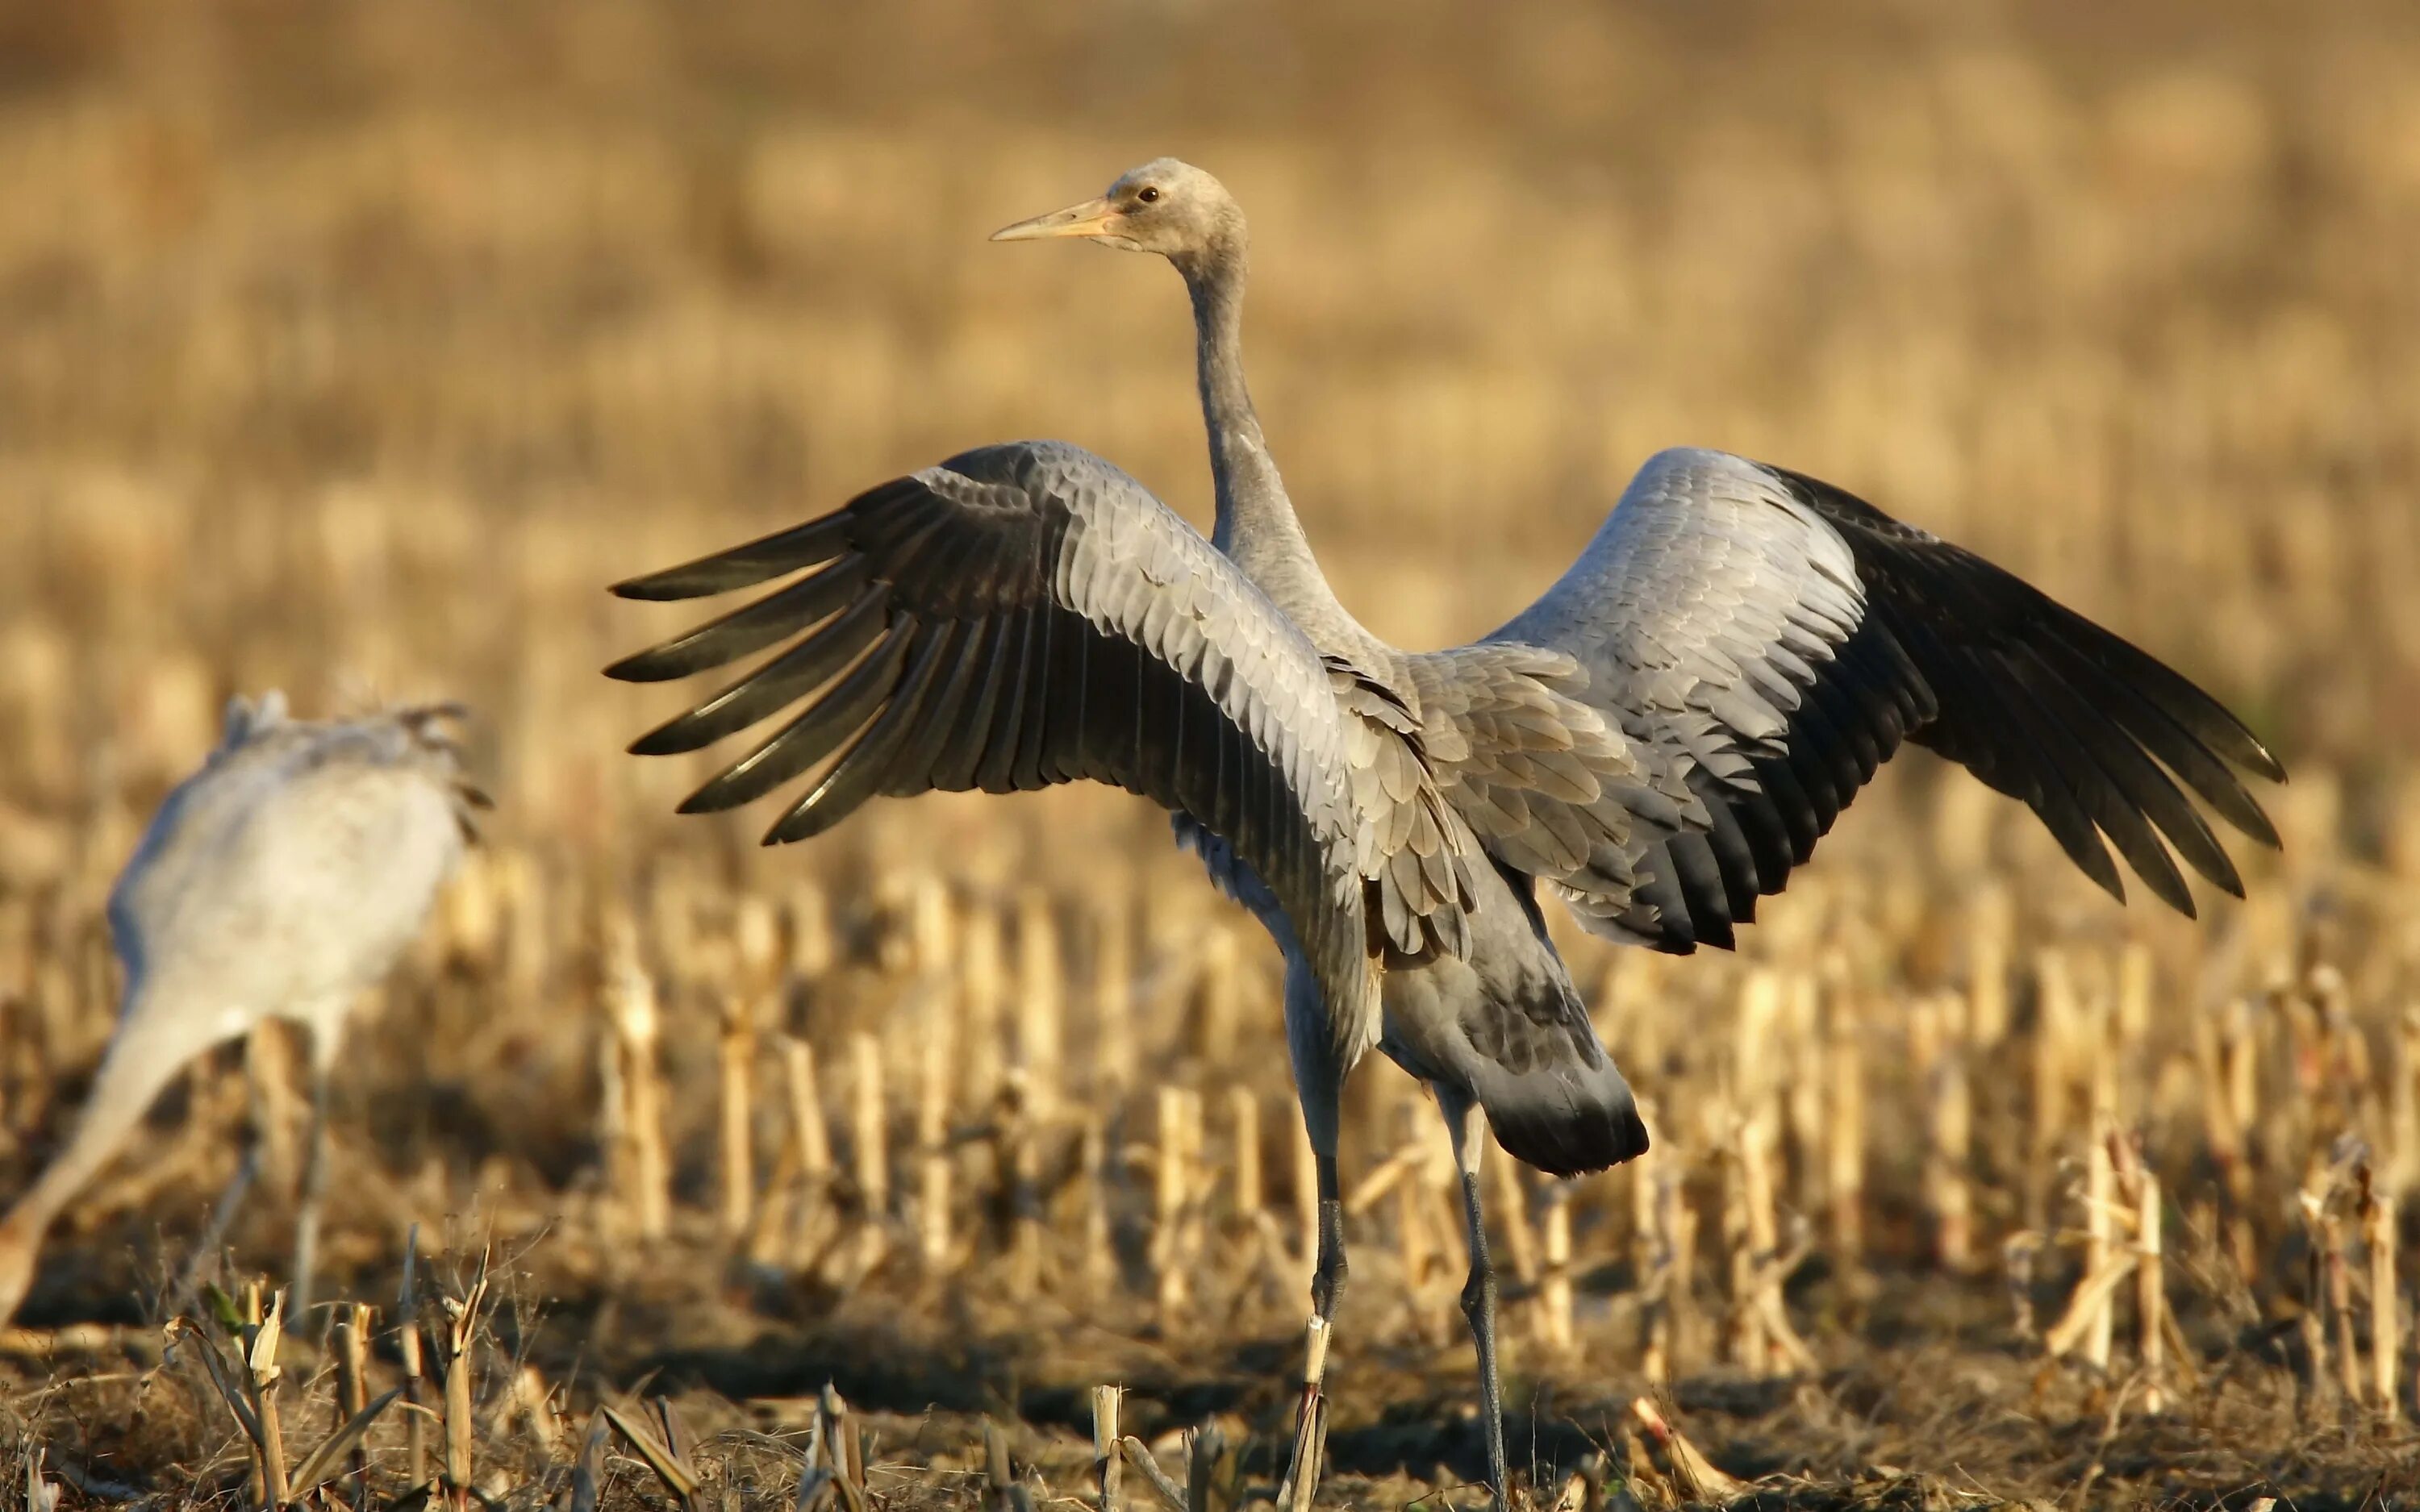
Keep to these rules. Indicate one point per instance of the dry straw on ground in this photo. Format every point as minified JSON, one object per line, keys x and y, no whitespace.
{"x":353,"y":348}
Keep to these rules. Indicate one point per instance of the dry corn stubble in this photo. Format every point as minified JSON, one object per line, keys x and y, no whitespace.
{"x":311,"y":389}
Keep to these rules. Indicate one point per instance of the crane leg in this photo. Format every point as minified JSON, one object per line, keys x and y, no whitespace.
{"x":1467,"y":1124}
{"x":250,"y":1161}
{"x":205,"y":1252}
{"x":1326,"y":1285}
{"x":1319,"y":1082}
{"x":314,"y":1185}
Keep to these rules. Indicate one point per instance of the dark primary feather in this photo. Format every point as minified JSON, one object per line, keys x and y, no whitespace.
{"x":759,"y":624}
{"x":741,"y":567}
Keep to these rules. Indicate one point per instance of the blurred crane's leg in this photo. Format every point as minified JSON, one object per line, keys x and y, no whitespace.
{"x":262,"y":1107}
{"x":231,"y":1202}
{"x":314,"y":1172}
{"x":252,"y":1156}
{"x":1467,"y":1126}
{"x":1319,"y":1082}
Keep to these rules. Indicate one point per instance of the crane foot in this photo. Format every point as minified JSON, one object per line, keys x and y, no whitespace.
{"x":1302,"y":1483}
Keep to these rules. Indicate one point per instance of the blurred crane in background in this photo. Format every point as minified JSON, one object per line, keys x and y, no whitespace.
{"x":280,"y":880}
{"x":1658,"y":741}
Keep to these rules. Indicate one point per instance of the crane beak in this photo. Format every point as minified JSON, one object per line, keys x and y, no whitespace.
{"x":1095,"y":218}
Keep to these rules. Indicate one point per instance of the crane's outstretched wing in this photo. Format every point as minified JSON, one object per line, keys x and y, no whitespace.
{"x":1775,"y":638}
{"x":1024,"y":615}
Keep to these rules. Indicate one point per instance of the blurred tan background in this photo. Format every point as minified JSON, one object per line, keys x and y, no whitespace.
{"x":353,"y":348}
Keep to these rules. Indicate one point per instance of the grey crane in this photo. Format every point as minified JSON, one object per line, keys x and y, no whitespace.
{"x":1656,"y":742}
{"x":281,"y":880}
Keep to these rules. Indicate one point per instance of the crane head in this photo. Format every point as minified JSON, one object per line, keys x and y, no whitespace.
{"x":1166,"y":205}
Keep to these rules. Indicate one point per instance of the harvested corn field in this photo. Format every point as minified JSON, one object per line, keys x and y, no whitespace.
{"x":353,"y":351}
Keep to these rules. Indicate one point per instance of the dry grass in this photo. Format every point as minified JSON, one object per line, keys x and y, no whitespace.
{"x":353,"y":349}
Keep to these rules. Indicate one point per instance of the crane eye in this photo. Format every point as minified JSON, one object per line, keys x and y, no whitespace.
{"x":1147,"y":194}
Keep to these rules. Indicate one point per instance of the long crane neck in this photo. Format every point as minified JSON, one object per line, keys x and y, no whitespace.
{"x":152,"y":1045}
{"x":1256,"y":526}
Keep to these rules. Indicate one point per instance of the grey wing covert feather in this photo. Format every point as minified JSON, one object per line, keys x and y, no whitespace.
{"x":1551,"y":787}
{"x":1416,"y":856}
{"x":1770,"y":641}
